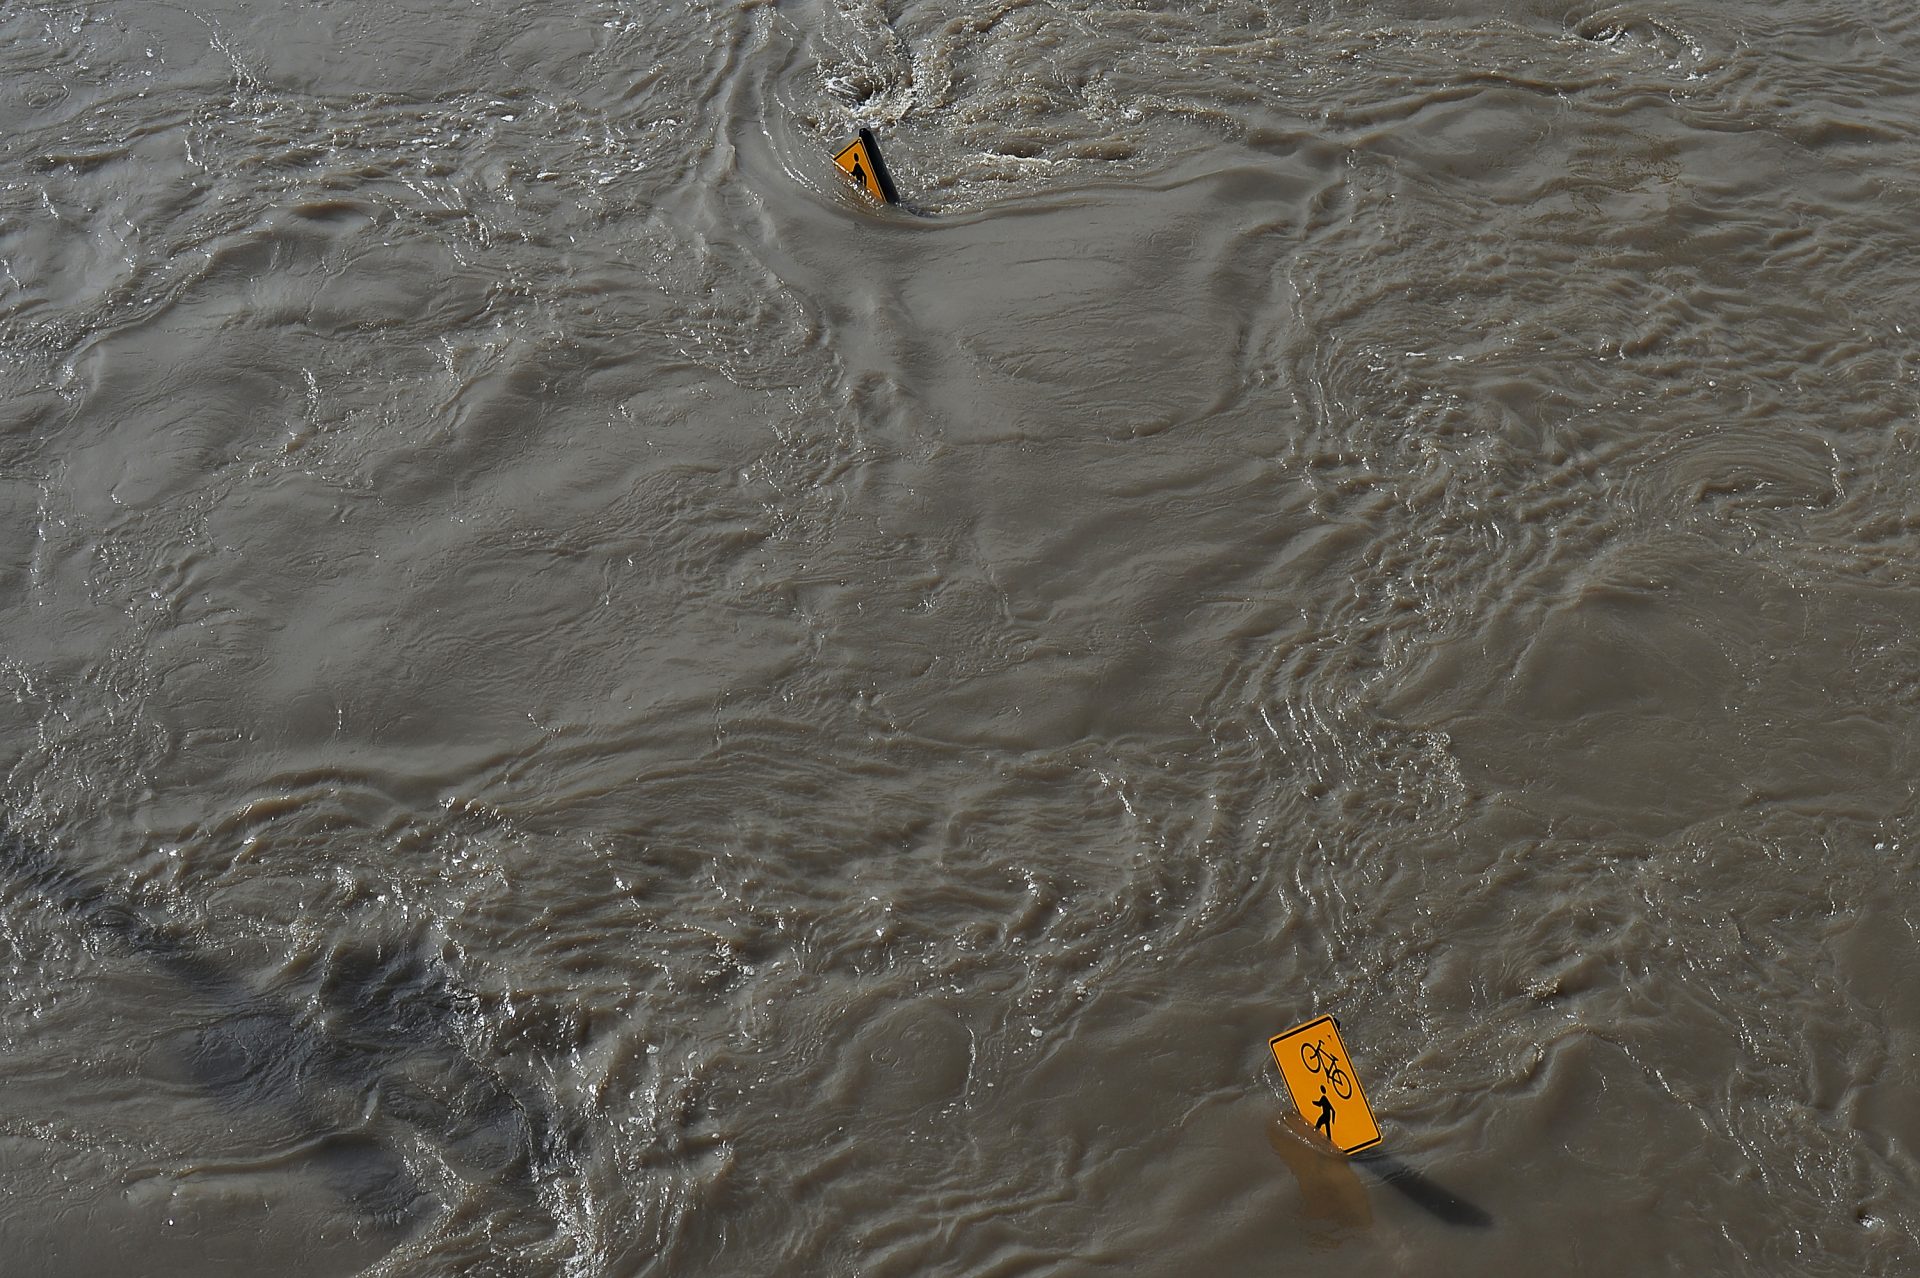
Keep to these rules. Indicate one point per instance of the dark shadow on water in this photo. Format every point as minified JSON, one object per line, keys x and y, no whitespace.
{"x":1426,"y":1193}
{"x":388,"y":1026}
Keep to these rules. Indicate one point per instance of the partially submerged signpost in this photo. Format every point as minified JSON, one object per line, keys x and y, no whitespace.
{"x":1324,"y":1087}
{"x":860,"y":160}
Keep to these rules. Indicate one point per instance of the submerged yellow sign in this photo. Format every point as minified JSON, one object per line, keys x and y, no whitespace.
{"x":1320,"y":1076}
{"x":860,"y":160}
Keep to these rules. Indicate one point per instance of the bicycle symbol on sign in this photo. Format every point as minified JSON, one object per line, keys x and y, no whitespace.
{"x":1319,"y":1060}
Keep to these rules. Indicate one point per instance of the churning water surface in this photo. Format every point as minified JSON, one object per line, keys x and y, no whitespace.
{"x":583,"y":701}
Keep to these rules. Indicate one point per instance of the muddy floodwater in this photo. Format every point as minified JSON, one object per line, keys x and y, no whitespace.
{"x":581,"y":700}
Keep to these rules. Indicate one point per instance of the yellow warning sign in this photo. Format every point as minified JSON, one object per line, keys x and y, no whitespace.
{"x":1320,"y":1076}
{"x":860,"y":160}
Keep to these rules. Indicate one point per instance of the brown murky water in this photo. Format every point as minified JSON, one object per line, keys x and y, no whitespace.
{"x":584,"y":703}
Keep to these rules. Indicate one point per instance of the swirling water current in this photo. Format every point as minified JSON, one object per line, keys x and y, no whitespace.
{"x":582,"y":701}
